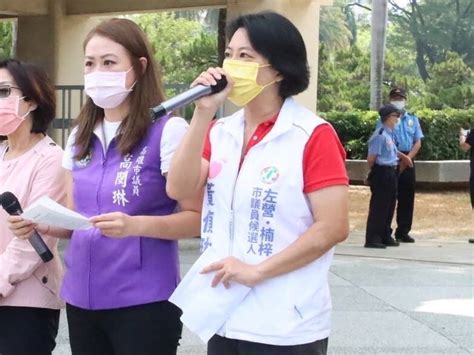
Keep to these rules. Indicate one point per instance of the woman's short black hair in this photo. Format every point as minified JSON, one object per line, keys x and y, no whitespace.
{"x":277,"y":39}
{"x":36,"y":86}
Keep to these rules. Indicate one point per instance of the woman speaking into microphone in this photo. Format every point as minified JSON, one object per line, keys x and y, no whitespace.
{"x":276,"y":192}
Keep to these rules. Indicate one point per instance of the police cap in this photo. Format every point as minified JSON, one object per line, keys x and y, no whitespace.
{"x":387,"y":110}
{"x":398,"y":92}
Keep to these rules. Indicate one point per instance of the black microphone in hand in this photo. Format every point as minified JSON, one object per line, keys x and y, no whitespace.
{"x":12,"y":206}
{"x":187,"y":97}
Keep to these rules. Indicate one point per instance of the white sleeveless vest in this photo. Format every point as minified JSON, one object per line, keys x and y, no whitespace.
{"x":257,"y":213}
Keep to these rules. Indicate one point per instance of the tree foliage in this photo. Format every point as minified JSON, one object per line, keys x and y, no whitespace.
{"x":450,"y":84}
{"x":436,"y":27}
{"x":182,"y":46}
{"x":440,"y":127}
{"x":334,"y":30}
{"x":6,"y":39}
{"x":343,"y":80}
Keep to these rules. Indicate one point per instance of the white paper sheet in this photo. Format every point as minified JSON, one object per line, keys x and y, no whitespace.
{"x":205,"y":308}
{"x":47,"y":211}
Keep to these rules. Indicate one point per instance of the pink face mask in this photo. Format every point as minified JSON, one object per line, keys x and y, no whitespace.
{"x":10,"y":119}
{"x":107,"y":89}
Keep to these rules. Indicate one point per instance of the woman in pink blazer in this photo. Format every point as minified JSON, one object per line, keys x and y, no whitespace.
{"x":30,"y":167}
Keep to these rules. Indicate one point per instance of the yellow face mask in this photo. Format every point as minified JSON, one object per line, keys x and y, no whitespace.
{"x":244,"y":75}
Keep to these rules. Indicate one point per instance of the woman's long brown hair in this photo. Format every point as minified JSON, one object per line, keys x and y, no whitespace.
{"x":147,"y":92}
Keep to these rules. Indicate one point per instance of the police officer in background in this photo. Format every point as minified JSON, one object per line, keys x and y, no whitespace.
{"x":408,"y":137}
{"x":383,"y":160}
{"x":466,"y":141}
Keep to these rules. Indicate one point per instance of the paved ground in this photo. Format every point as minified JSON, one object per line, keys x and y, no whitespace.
{"x":414,"y":299}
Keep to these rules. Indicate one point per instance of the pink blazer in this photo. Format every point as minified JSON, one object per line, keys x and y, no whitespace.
{"x":24,"y":279}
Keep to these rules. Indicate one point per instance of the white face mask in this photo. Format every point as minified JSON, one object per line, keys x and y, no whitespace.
{"x":398,"y":104}
{"x":107,"y":89}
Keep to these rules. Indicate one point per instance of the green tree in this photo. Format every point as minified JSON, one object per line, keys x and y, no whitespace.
{"x":208,"y":18}
{"x":436,"y":27}
{"x":182,"y":47}
{"x":334,"y":31}
{"x":450,"y":85}
{"x":199,"y":55}
{"x":343,"y":80}
{"x":6,"y":39}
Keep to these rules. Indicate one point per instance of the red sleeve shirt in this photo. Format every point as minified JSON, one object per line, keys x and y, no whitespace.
{"x":323,"y":157}
{"x":206,"y":152}
{"x":324,"y":160}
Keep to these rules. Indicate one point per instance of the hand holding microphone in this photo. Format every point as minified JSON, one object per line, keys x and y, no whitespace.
{"x":209,"y":91}
{"x":12,"y":206}
{"x":210,"y":77}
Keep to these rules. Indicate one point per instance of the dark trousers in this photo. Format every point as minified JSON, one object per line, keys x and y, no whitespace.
{"x":471,"y":187}
{"x":28,"y":331}
{"x":218,"y":345}
{"x":383,"y":187}
{"x":149,"y":329}
{"x":405,"y":201}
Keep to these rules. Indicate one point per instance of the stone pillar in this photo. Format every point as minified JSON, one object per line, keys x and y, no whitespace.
{"x":70,"y":68}
{"x":73,"y":30}
{"x":305,"y":15}
{"x":37,"y":37}
{"x":54,"y":41}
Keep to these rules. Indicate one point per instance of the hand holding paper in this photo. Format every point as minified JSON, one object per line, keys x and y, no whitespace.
{"x":206,"y":308}
{"x":47,"y":211}
{"x":114,"y":224}
{"x":232,"y":269}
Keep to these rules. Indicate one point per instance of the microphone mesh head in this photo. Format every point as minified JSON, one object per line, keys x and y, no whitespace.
{"x":9,"y":202}
{"x":220,"y":85}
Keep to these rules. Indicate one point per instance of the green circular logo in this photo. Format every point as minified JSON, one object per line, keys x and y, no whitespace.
{"x":269,"y":175}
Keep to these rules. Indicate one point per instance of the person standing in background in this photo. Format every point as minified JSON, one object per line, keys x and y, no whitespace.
{"x":408,"y":137}
{"x":383,"y":159}
{"x":466,"y":142}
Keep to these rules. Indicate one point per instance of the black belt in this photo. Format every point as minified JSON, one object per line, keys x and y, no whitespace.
{"x":388,"y":167}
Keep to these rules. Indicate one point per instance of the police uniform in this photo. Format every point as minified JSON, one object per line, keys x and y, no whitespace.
{"x":470,"y":141}
{"x":383,"y":186}
{"x":407,"y":133}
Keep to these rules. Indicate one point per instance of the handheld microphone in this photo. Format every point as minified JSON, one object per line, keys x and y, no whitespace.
{"x":12,"y":206}
{"x":187,"y":97}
